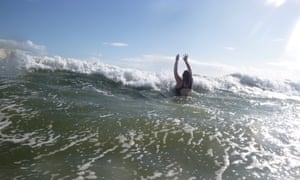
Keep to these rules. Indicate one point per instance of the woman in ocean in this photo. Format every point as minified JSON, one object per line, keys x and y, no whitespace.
{"x":183,"y":85}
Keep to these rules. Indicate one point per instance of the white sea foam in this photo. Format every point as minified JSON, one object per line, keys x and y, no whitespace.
{"x":83,"y":170}
{"x":71,"y":144}
{"x":236,"y":82}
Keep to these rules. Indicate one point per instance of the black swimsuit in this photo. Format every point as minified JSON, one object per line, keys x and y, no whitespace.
{"x":177,"y":90}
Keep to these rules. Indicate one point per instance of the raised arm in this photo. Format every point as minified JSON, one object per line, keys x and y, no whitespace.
{"x":177,"y":77}
{"x":185,"y":58}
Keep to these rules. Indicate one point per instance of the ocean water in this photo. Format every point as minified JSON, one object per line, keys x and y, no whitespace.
{"x":64,"y":118}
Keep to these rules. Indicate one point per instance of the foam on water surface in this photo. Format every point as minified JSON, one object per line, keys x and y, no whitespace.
{"x":73,"y":119}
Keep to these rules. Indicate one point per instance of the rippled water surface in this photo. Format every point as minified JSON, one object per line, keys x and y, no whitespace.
{"x":69,"y":119}
{"x":62,"y":124}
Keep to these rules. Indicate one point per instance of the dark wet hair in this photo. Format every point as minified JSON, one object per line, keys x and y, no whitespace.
{"x":187,"y":78}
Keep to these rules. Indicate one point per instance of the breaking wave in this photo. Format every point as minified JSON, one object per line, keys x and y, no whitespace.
{"x":14,"y":62}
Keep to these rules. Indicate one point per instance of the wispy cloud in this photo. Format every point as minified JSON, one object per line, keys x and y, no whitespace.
{"x":279,"y":3}
{"x":286,"y":63}
{"x":278,"y":40}
{"x":116,"y":44}
{"x":150,"y":62}
{"x":25,"y":46}
{"x":291,"y":57}
{"x":275,"y":3}
{"x":293,"y":46}
{"x":163,"y":63}
{"x":229,"y":48}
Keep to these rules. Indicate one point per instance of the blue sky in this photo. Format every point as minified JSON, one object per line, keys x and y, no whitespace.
{"x":121,"y":32}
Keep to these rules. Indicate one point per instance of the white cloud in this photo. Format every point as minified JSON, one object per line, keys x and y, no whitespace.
{"x":293,"y":46}
{"x":291,"y":58}
{"x":289,"y":62}
{"x":285,"y":68}
{"x":165,"y":64}
{"x":149,"y":62}
{"x":275,"y":3}
{"x":116,"y":44}
{"x":278,"y":40}
{"x":279,"y":3}
{"x":25,"y":46}
{"x":229,"y":48}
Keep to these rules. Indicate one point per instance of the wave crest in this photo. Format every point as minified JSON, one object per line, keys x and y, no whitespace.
{"x":235,"y":82}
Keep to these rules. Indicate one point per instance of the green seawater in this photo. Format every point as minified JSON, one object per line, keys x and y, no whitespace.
{"x":68,"y":125}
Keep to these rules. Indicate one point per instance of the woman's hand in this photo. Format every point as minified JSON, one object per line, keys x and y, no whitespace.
{"x":185,"y":57}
